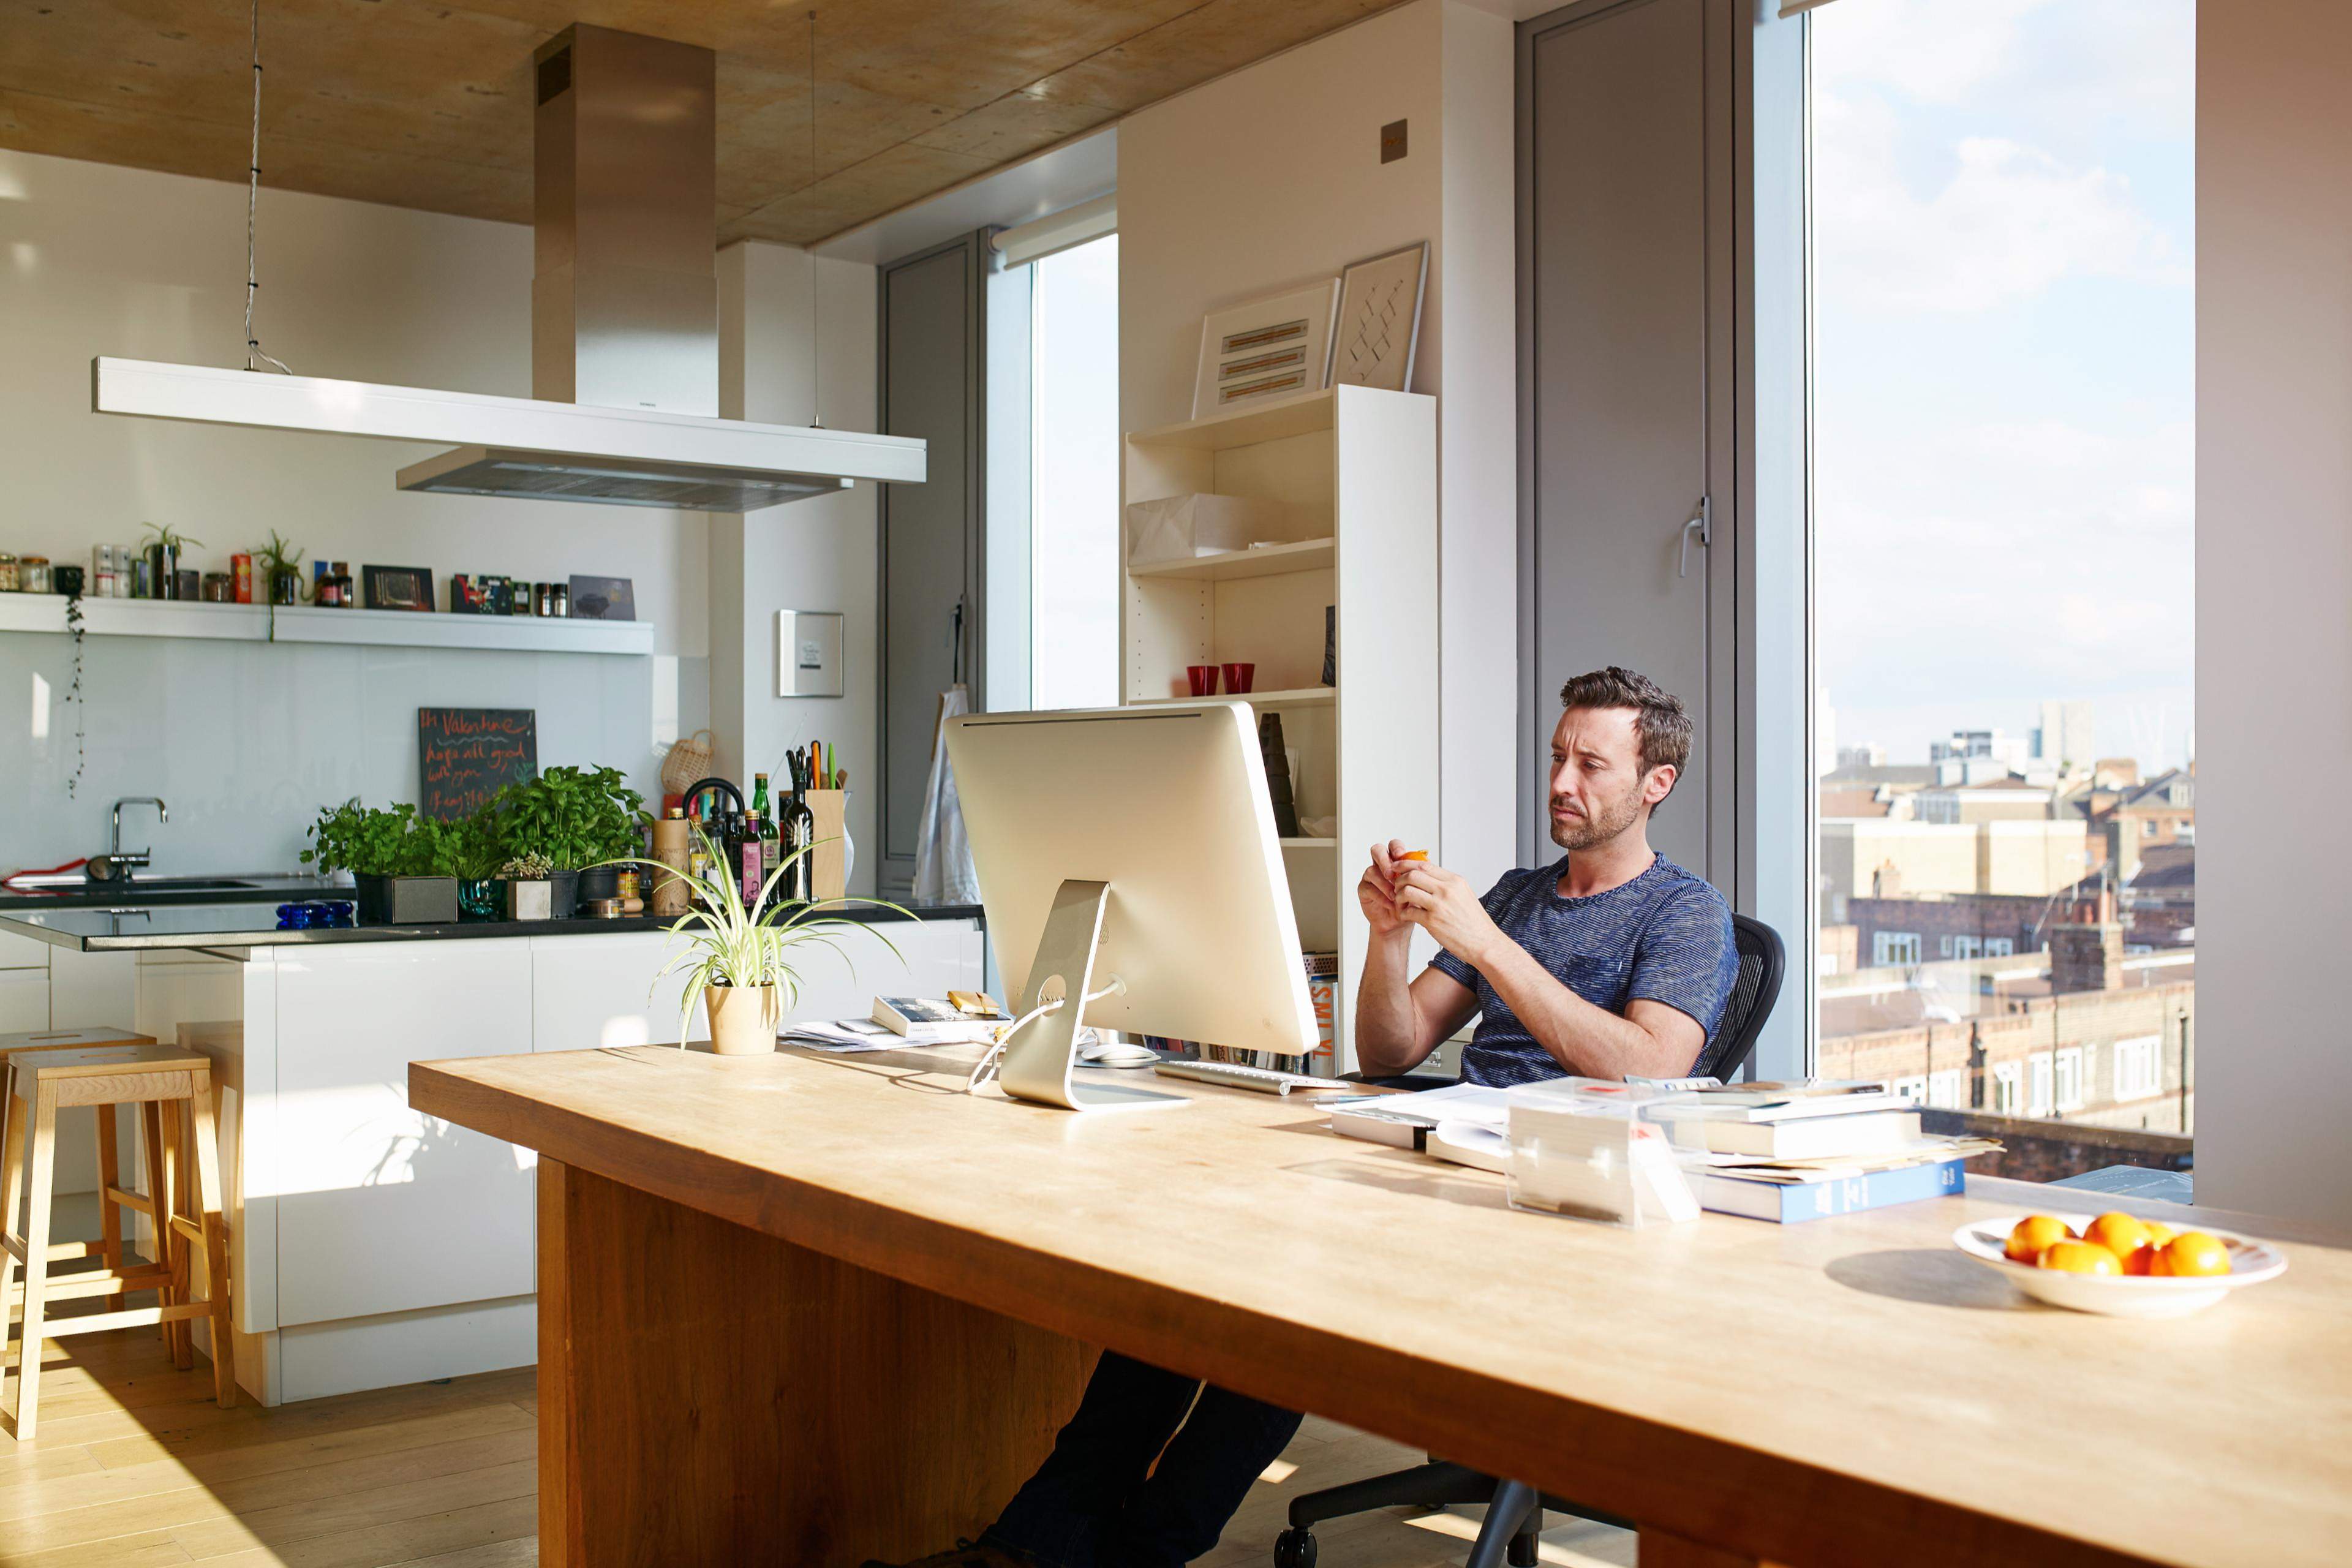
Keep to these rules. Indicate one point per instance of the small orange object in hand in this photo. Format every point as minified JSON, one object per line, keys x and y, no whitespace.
{"x":1414,"y":854}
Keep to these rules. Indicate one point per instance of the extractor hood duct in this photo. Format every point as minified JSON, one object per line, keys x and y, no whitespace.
{"x":625,"y":325}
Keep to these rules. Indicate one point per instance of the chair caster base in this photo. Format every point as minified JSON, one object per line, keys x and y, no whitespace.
{"x":1295,"y":1549}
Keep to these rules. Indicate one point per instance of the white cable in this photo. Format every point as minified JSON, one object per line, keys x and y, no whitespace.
{"x":985,"y":1070}
{"x":255,"y":356}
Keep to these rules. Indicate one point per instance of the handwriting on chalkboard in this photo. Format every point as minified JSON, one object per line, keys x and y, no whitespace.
{"x":468,"y":755}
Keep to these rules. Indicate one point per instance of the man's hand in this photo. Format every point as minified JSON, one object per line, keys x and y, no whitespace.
{"x":1375,"y":891}
{"x":1442,"y":903}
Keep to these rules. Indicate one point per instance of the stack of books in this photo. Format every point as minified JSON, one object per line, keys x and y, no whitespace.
{"x":1795,"y":1152}
{"x":1322,"y":992}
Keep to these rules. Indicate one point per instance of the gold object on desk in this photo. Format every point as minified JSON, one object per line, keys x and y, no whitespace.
{"x":843,"y":1260}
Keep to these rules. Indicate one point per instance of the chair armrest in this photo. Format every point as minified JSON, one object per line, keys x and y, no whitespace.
{"x":1413,"y":1080}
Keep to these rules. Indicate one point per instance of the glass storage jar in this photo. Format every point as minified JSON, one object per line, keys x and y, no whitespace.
{"x":8,"y":578}
{"x":33,"y":574}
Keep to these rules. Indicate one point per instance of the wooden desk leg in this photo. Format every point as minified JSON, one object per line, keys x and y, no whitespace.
{"x":1659,"y":1550}
{"x":711,"y":1395}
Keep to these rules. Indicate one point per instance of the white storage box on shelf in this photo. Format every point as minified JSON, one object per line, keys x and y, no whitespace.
{"x":1186,"y":527}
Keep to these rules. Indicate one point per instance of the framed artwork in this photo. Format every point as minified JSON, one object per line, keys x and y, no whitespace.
{"x":1266,"y":350}
{"x":1379,"y":320}
{"x":604,"y":598}
{"x":396,"y":587}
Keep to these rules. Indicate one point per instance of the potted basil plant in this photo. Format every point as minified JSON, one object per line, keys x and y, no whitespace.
{"x":737,"y":957}
{"x":586,"y":822}
{"x":405,"y":866}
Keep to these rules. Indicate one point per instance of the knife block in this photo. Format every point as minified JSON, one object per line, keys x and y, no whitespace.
{"x":829,"y":874}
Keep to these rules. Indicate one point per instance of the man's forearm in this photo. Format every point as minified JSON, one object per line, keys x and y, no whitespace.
{"x":1388,"y":1030}
{"x":1585,"y":1039}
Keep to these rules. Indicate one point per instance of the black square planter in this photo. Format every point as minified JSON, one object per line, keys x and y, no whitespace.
{"x":407,"y":900}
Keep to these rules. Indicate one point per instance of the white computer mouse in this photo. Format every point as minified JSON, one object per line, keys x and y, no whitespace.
{"x":1114,"y":1053}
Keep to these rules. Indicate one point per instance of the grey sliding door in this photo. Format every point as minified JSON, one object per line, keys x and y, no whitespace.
{"x":933,"y":346}
{"x":1626,"y":269}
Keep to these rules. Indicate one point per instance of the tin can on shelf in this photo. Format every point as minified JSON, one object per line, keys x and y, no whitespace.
{"x":216,"y":588}
{"x":240,"y":568}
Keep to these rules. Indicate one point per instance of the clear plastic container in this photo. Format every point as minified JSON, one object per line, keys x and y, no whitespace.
{"x":1592,"y":1153}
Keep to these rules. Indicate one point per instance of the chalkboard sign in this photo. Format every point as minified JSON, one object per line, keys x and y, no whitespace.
{"x":467,"y":753}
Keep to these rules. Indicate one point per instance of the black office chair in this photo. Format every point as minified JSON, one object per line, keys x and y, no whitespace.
{"x":1515,"y":1511}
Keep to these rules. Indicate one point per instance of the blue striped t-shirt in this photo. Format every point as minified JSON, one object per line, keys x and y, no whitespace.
{"x":1666,"y":935}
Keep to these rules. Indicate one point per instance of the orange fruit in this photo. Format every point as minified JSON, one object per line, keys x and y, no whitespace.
{"x":2159,"y":1234}
{"x":2031,"y":1235}
{"x":2080,"y":1258}
{"x":2119,"y":1233}
{"x":2191,"y":1255}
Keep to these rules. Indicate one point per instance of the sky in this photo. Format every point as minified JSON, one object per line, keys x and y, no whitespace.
{"x":2004,"y":244}
{"x":1074,"y":474}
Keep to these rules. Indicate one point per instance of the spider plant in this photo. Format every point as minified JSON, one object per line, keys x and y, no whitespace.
{"x":730,"y":944}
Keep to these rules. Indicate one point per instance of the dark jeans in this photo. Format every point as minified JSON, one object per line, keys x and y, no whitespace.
{"x":1096,"y":1502}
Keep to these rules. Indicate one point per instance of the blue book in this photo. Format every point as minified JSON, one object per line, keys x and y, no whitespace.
{"x":1791,"y":1203}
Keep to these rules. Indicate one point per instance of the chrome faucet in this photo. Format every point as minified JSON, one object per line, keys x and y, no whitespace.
{"x":116,"y":864}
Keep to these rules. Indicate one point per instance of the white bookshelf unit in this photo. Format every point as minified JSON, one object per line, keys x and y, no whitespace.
{"x":1360,"y":470}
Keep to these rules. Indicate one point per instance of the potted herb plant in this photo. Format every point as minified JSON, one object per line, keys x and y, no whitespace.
{"x":587,"y":822}
{"x":475,"y":852}
{"x":529,"y":895}
{"x":405,"y":866}
{"x":737,"y":957}
{"x":280,"y":565}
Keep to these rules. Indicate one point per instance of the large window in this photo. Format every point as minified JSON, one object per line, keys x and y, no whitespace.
{"x":1073,"y":478}
{"x":2003,"y":243}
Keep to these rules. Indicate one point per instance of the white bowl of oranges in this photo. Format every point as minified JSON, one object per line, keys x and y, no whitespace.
{"x":2119,"y":1264}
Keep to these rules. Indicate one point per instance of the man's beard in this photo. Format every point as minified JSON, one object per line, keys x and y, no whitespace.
{"x":1614,"y":819}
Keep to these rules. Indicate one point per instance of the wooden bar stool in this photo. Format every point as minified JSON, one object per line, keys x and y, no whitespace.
{"x":112,"y":1196}
{"x":173,"y":1088}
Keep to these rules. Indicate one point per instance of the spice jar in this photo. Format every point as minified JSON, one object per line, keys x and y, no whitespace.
{"x":33,"y":574}
{"x":8,"y":578}
{"x":215,"y":588}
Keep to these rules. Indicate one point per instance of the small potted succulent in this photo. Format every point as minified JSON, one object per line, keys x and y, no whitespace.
{"x":586,"y":822}
{"x":278,"y":565}
{"x":528,"y":879}
{"x":737,"y":956}
{"x":405,"y":866}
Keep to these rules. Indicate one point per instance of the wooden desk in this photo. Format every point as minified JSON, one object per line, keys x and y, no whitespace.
{"x":876,"y":1345}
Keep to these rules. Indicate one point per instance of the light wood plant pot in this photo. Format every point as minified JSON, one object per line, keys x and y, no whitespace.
{"x":743,"y":1019}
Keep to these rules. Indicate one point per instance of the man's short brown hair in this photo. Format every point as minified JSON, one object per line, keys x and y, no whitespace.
{"x":1658,"y":717}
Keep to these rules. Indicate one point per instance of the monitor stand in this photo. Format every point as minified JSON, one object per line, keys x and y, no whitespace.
{"x":1041,"y":1058}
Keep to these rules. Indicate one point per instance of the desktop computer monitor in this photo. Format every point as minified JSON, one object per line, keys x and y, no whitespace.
{"x":1132,"y":851}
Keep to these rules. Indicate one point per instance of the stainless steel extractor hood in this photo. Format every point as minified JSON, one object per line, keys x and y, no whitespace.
{"x":625,"y":325}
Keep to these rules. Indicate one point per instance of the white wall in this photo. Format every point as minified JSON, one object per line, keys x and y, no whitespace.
{"x":1271,"y":177}
{"x":798,"y":334}
{"x":2273,"y":579}
{"x":246,"y":741}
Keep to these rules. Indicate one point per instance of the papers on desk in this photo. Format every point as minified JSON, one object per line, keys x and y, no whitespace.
{"x":847,"y":1037}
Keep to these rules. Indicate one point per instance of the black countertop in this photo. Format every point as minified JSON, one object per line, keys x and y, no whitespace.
{"x":127,"y":928}
{"x":257,"y":888}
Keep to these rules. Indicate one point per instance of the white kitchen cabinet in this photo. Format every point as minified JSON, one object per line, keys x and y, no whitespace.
{"x":590,"y":990}
{"x":23,"y":952}
{"x":379,"y":1209}
{"x":24,"y":1001}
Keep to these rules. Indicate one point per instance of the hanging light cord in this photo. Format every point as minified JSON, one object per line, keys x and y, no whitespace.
{"x":816,"y":356}
{"x":256,"y":357}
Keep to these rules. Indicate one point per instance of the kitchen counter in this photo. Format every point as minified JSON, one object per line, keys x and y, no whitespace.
{"x":270,"y":888}
{"x":131,"y":929}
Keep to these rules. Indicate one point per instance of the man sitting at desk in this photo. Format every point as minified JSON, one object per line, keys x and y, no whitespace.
{"x":1612,"y":962}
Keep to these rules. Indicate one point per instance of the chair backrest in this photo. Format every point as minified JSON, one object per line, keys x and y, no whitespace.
{"x":1762,"y":961}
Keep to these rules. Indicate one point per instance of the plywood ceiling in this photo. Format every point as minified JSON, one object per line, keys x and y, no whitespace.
{"x":426,"y":103}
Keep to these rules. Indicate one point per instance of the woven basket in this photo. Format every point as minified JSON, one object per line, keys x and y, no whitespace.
{"x":688,"y":761}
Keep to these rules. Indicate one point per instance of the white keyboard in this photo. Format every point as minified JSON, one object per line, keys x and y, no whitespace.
{"x":1264,"y":1081}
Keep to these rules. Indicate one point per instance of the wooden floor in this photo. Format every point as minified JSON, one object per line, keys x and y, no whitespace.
{"x":135,"y":1465}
